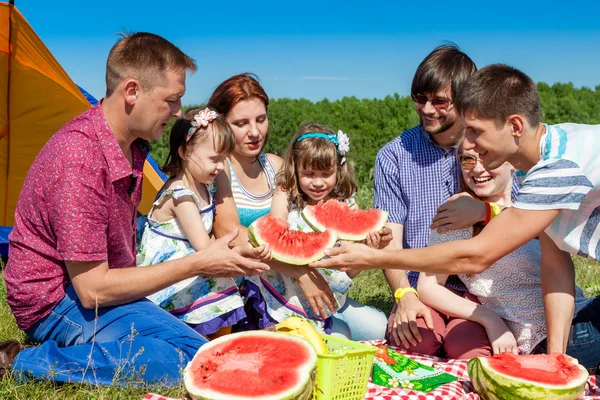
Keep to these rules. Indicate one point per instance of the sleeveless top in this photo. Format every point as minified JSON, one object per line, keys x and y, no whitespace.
{"x":207,"y":304}
{"x":252,"y":206}
{"x":512,"y":287}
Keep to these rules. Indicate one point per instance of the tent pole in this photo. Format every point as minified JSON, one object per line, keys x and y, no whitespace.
{"x":11,"y":2}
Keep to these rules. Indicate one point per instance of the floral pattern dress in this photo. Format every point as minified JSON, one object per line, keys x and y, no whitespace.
{"x":207,"y":304}
{"x":281,"y":296}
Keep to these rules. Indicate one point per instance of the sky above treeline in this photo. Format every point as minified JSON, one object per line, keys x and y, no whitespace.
{"x":326,"y":49}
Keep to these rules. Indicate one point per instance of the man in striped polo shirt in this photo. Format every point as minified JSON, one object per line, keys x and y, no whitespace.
{"x":559,"y":200}
{"x":415,"y":174}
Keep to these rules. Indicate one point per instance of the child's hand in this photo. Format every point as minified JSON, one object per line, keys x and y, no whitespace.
{"x":379,"y":239}
{"x":386,"y":236}
{"x":373,"y":239}
{"x":262,"y":252}
{"x":319,"y":294}
{"x":501,"y":338}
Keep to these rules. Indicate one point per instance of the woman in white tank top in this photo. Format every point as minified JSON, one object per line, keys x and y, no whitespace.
{"x":245,"y":192}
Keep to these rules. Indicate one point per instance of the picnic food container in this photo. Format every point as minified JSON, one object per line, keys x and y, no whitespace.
{"x":343,"y":373}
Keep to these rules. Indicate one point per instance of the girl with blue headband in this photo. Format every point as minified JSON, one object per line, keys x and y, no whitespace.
{"x":315,"y":168}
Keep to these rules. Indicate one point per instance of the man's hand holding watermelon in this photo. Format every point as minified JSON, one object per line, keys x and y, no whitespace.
{"x":349,"y":256}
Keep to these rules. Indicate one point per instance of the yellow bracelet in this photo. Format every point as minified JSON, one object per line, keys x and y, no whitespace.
{"x":494,"y":210}
{"x":402,"y":291}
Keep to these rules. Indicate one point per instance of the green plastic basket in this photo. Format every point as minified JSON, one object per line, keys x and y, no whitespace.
{"x":343,"y":373}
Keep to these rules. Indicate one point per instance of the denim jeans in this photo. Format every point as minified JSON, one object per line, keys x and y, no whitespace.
{"x":357,"y":321}
{"x":584,"y":337}
{"x":129,"y":344}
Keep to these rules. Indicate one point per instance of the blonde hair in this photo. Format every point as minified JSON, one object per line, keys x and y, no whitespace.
{"x":316,"y":153}
{"x":145,"y":57}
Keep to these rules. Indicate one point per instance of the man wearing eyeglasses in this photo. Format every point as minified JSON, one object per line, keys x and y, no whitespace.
{"x":416,"y":178}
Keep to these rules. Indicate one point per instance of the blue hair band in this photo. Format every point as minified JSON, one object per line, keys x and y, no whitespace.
{"x":331,"y":137}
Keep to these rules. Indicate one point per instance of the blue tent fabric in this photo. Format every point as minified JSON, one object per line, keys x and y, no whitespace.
{"x":4,"y":231}
{"x":88,"y":96}
{"x":154,"y":164}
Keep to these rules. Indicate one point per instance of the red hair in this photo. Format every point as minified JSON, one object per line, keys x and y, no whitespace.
{"x":236,"y":89}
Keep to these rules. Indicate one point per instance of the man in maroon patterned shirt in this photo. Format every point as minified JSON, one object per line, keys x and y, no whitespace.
{"x":69,"y":279}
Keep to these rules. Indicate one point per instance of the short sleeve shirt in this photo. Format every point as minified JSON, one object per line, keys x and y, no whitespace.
{"x":413,"y":177}
{"x":78,"y":203}
{"x":567,"y":178}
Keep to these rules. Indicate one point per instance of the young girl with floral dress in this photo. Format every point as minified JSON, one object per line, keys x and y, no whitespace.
{"x":316,"y":169}
{"x":180,"y":222}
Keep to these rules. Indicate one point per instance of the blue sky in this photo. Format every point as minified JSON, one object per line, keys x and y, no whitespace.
{"x":328,"y":48}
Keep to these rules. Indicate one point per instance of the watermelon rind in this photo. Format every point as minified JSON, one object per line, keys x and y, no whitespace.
{"x":308,"y":213}
{"x":306,"y":372}
{"x":493,"y":385}
{"x":309,"y":216}
{"x":257,"y":240}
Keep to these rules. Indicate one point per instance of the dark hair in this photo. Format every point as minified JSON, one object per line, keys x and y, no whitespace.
{"x":497,"y":91}
{"x":316,"y":153}
{"x":446,"y":64}
{"x":145,"y":57}
{"x":235,"y":89}
{"x":224,"y":139}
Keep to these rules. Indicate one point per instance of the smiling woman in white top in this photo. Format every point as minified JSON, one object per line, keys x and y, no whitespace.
{"x":509,"y":302}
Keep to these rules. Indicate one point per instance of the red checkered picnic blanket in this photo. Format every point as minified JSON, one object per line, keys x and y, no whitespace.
{"x":458,"y":390}
{"x":461,"y":389}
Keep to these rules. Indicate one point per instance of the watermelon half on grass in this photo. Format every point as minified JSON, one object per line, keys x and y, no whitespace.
{"x":350,"y":224}
{"x":508,"y":376}
{"x":256,"y":365}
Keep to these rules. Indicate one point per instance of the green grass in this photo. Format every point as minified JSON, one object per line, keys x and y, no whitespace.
{"x":370,"y":288}
{"x":11,"y":389}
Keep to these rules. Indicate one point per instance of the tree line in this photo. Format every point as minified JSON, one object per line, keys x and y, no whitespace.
{"x":371,"y":123}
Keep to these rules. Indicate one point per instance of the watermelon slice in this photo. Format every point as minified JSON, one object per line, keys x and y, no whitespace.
{"x":508,"y":376}
{"x":348,"y":223}
{"x":289,"y":246}
{"x":257,"y":365}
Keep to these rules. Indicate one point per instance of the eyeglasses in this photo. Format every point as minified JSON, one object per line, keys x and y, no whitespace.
{"x":421,"y":99}
{"x":468,"y":161}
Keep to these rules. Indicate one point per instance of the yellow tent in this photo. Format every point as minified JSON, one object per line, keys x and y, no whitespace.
{"x":37,"y":98}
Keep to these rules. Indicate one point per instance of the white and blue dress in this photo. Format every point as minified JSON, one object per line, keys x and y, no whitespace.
{"x":272,"y":297}
{"x":206,"y":304}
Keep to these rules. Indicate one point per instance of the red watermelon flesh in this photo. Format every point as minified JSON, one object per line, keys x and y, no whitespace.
{"x":252,"y":365}
{"x":557,"y":369}
{"x":290,"y":246}
{"x":350,"y":224}
{"x":527,"y":377}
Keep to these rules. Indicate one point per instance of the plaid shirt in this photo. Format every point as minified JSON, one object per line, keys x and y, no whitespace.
{"x":413,"y":177}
